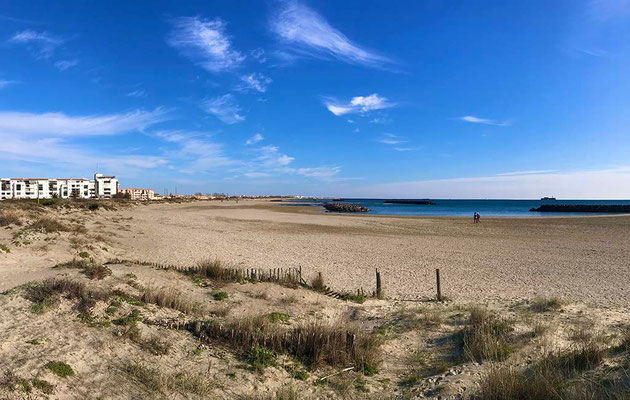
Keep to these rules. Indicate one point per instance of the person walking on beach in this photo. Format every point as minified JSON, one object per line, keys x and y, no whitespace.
{"x":476,"y":217}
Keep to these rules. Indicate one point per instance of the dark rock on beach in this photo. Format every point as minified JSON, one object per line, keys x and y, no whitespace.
{"x":402,"y":201}
{"x":586,"y":208}
{"x":345,"y":207}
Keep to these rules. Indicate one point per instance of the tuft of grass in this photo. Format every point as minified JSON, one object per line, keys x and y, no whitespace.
{"x":486,"y":337}
{"x":357,"y":298}
{"x":543,"y":304}
{"x":97,"y":272}
{"x":49,"y":225}
{"x":4,"y":248}
{"x":219,"y":296}
{"x":260,"y":357}
{"x":318,"y":282}
{"x":218,"y":270}
{"x":296,"y":371}
{"x":131,"y":275}
{"x":60,"y":368}
{"x":122,"y":296}
{"x":84,"y":254}
{"x":276,"y":317}
{"x":130,"y":319}
{"x":170,"y":298}
{"x":156,"y":346}
{"x":157,"y":381}
{"x":553,"y":377}
{"x":45,"y":295}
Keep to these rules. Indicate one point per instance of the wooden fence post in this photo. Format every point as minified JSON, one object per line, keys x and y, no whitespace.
{"x":379,"y":288}
{"x":439,"y":289}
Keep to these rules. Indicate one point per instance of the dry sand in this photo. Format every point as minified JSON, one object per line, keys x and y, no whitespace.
{"x":584,"y":259}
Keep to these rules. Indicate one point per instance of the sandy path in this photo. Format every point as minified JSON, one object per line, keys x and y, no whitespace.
{"x":585,"y":258}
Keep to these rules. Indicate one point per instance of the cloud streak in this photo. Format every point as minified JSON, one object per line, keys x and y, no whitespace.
{"x":254,"y":139}
{"x":358,"y":104}
{"x":224,"y":108}
{"x":60,"y":124}
{"x":205,"y":42}
{"x":307,"y":33}
{"x":476,"y":120}
{"x":41,"y":44}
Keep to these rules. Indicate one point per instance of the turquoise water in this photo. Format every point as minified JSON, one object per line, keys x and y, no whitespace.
{"x":466,"y":208}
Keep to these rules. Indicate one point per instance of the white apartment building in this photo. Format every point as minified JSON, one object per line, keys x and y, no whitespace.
{"x":139,"y":194}
{"x":44,"y":188}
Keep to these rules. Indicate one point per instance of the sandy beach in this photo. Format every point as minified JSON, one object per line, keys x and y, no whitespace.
{"x":582,"y":258}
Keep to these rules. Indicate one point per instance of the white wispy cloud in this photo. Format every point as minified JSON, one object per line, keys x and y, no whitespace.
{"x":390,"y":140}
{"x":527,"y":172}
{"x":137,"y":93}
{"x":486,"y":121}
{"x":413,"y":148}
{"x":308,"y":33}
{"x":255,"y":81}
{"x":318,"y":172}
{"x":259,"y":55}
{"x":225,"y":108}
{"x":66,"y":64}
{"x":270,"y":157}
{"x":205,"y":42}
{"x":47,"y":138}
{"x":60,"y":124}
{"x":5,"y":83}
{"x":42,"y":44}
{"x":196,"y":150}
{"x":254,"y":139}
{"x":358,"y":104}
{"x":255,"y":174}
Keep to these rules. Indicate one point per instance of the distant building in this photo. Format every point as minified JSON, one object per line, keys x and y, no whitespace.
{"x":139,"y":194}
{"x":44,"y":188}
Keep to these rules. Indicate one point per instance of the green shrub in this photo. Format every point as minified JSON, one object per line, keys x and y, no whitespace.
{"x":60,"y":368}
{"x":220,"y":295}
{"x":4,"y":248}
{"x":43,"y":386}
{"x":84,"y":254}
{"x":276,"y":317}
{"x":261,"y":357}
{"x":130,"y":319}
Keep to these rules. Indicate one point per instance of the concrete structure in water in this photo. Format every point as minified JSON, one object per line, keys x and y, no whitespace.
{"x":102,"y":187}
{"x":139,"y":194}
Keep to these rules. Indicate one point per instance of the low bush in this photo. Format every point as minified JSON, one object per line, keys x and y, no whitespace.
{"x":10,"y":217}
{"x":43,"y":386}
{"x":219,"y":296}
{"x":260,"y":357}
{"x":44,"y":295}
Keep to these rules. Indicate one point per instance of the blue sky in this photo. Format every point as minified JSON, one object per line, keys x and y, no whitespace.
{"x":452,"y":99}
